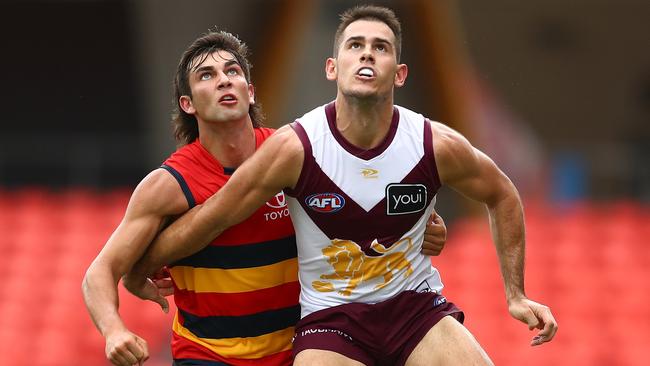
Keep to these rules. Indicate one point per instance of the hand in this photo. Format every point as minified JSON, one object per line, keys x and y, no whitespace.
{"x":124,"y":348}
{"x":435,"y":236}
{"x":162,"y":279}
{"x":536,"y":316}
{"x":146,"y":289}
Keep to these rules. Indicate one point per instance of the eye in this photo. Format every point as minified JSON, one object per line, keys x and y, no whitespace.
{"x":232,"y":72}
{"x":380,"y":48}
{"x":205,"y":76}
{"x":355,"y":45}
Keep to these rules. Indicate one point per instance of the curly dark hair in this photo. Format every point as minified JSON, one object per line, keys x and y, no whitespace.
{"x":186,"y":128}
{"x":370,"y":12}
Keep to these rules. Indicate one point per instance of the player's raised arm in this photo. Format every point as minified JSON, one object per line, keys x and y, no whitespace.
{"x":144,"y":217}
{"x":275,"y":166}
{"x":473,"y":174}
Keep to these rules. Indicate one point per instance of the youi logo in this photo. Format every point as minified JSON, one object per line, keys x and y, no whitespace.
{"x":325,"y":202}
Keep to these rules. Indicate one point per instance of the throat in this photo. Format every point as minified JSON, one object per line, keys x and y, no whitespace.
{"x":232,"y":148}
{"x":365,"y":128}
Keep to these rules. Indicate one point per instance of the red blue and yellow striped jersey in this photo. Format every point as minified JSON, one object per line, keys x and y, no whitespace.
{"x":237,"y":299}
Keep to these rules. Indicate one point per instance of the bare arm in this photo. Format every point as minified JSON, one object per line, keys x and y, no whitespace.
{"x":144,"y":216}
{"x":473,"y":174}
{"x":274,"y":166}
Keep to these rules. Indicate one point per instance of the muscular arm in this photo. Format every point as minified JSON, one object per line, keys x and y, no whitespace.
{"x":473,"y":174}
{"x":275,"y":166}
{"x":144,"y":216}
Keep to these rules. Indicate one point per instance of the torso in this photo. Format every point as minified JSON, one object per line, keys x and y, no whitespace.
{"x":360,"y":214}
{"x":237,"y":299}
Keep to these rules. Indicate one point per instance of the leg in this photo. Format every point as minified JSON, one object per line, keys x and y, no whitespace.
{"x":317,"y":357}
{"x":448,"y":343}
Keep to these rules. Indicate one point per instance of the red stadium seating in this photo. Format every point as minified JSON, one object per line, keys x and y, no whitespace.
{"x":590,"y":262}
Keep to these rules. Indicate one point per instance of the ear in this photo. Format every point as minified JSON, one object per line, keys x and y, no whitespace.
{"x":251,"y":94}
{"x":330,"y":69}
{"x":186,"y":104}
{"x":400,"y":75}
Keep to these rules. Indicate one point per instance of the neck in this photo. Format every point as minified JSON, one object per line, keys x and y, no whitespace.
{"x":364,"y":123}
{"x":231,"y":143}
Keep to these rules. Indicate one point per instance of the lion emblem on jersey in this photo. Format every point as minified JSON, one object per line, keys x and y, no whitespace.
{"x":351,"y":264}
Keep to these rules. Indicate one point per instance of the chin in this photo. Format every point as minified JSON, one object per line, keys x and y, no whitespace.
{"x":232,"y":116}
{"x":366,"y":95}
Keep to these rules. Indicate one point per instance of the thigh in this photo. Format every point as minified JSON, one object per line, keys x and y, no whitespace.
{"x":318,"y":357}
{"x":448,"y":343}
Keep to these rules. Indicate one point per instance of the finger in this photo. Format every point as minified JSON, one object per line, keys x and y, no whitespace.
{"x":129,"y":357}
{"x":437,"y":219}
{"x":145,"y":350}
{"x":529,"y":318}
{"x":160,"y":274}
{"x":430,"y":253}
{"x":431,"y":246}
{"x":431,"y":249}
{"x":135,"y":350}
{"x":166,"y":291}
{"x":117,"y":359}
{"x":122,"y":357}
{"x":435,"y":240}
{"x":164,"y":304}
{"x":164,"y":282}
{"x":550,"y":327}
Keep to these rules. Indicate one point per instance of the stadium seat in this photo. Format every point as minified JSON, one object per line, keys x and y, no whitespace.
{"x":589,"y":261}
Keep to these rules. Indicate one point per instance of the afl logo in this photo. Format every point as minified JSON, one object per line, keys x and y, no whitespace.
{"x":278,"y":201}
{"x":325,"y":202}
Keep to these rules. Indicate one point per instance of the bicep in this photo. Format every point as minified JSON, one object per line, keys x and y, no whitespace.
{"x":469,"y":171}
{"x":144,"y":217}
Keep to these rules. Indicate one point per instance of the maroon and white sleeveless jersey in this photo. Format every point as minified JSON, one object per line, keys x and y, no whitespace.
{"x":360,"y":215}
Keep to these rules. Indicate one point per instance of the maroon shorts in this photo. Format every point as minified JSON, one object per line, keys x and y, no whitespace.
{"x":374,"y":334}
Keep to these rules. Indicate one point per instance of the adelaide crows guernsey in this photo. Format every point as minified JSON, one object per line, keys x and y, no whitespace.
{"x":237,"y":299}
{"x":360,"y":215}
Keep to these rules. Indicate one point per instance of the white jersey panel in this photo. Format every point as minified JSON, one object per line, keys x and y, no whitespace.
{"x":364,"y":180}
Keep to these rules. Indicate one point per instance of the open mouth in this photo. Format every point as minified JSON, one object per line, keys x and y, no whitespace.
{"x":366,"y":72}
{"x":227,"y":98}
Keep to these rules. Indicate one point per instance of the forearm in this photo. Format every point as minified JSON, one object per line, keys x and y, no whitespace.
{"x":508,"y":234}
{"x":99,"y":288}
{"x":186,"y":236}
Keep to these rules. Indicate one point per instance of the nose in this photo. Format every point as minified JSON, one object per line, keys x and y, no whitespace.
{"x":224,"y":81}
{"x":367,"y":56}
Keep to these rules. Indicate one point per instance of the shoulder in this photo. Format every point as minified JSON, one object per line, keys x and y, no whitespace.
{"x":453,"y":152}
{"x":158,"y":193}
{"x":284,"y":144}
{"x":447,"y":140}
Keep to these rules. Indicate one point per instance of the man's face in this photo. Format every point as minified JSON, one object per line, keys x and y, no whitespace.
{"x":366,"y":65}
{"x":220,"y":92}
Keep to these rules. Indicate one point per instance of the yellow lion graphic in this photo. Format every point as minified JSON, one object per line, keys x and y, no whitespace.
{"x":351,"y":264}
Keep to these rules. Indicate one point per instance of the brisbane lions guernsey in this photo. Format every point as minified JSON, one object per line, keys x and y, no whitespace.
{"x":237,"y":299}
{"x":360,"y":215}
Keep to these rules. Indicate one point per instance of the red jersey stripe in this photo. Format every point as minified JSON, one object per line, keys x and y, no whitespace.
{"x":236,"y":304}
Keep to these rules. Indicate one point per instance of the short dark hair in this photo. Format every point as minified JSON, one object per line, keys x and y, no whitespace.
{"x":186,"y":128}
{"x":370,"y":12}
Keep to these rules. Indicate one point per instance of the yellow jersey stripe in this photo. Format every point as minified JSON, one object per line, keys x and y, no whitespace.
{"x":244,"y":348}
{"x":235,"y":280}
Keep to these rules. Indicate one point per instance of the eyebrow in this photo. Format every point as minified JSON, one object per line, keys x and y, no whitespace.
{"x":211,"y":68}
{"x":230,"y":63}
{"x":361,"y":38}
{"x":203,"y":68}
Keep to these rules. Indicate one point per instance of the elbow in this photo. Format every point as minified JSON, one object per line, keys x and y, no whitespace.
{"x":506,"y":196}
{"x":97,"y":272}
{"x":87,"y":281}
